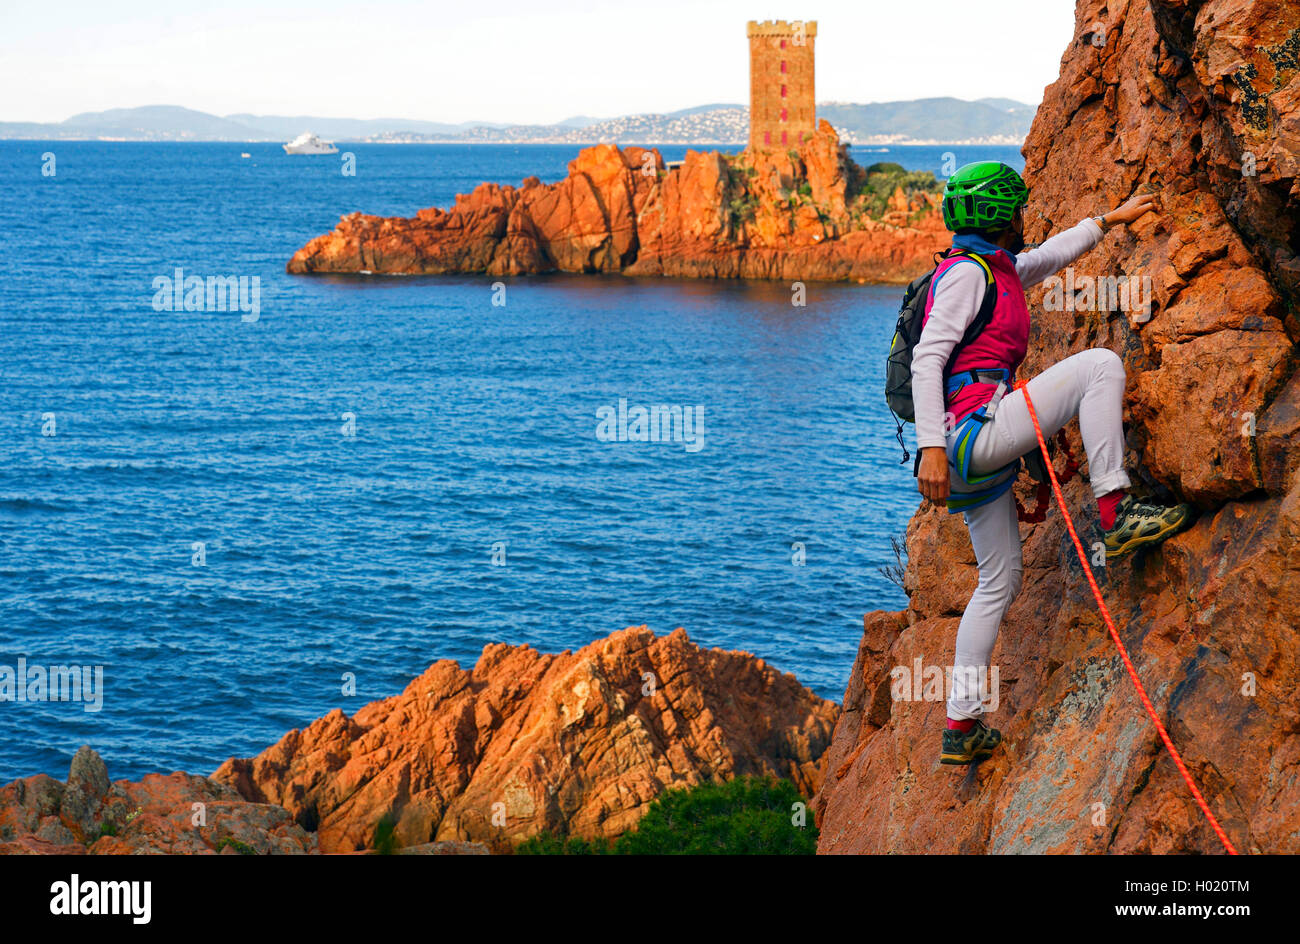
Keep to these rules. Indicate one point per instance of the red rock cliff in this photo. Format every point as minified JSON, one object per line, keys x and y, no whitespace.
{"x":789,"y":214}
{"x":1196,"y":101}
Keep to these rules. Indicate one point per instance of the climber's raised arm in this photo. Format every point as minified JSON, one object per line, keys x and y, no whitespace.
{"x":1054,"y":254}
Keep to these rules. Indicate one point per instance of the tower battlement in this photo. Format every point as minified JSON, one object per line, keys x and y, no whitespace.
{"x":780,"y":27}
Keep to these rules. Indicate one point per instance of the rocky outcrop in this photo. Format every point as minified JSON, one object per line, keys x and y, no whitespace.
{"x":1196,"y":101}
{"x":803,"y":213}
{"x":177,"y":813}
{"x":778,"y":214}
{"x":527,"y":742}
{"x":459,"y":763}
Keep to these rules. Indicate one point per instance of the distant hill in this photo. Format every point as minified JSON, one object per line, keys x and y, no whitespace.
{"x":698,"y":109}
{"x":155,"y":121}
{"x":1024,"y":113}
{"x":937,"y":120}
{"x":281,"y":127}
{"x":1006,"y":104}
{"x":706,"y":124}
{"x":941,"y":120}
{"x":577,"y":121}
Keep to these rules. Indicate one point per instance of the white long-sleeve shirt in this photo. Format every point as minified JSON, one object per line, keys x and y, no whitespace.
{"x":957,"y":300}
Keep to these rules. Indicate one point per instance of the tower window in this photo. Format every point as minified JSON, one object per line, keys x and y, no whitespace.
{"x":783,"y":91}
{"x":767,"y":137}
{"x":783,"y":114}
{"x":783,"y":66}
{"x":785,"y":137}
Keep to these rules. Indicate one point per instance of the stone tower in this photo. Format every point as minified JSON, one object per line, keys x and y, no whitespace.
{"x":780,"y":82}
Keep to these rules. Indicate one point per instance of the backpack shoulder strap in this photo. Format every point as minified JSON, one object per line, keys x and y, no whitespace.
{"x":960,"y":254}
{"x":987,"y":305}
{"x":973,"y":257}
{"x":985,"y":314}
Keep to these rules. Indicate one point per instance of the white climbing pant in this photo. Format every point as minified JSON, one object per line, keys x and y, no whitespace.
{"x":1089,"y":384}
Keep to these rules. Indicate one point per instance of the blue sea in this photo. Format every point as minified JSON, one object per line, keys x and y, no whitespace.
{"x":236,"y":519}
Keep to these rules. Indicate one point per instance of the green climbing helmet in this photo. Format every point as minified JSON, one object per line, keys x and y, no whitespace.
{"x":983,"y":196}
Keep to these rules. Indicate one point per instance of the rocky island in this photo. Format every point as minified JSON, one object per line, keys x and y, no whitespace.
{"x":803,"y":212}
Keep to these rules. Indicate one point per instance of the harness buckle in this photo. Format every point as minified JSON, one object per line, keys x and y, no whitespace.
{"x":997,"y":398}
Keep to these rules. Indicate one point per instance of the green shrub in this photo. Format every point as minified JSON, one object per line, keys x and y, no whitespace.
{"x":744,"y":816}
{"x":242,"y":848}
{"x":549,"y":844}
{"x":872,"y":189}
{"x":742,"y":210}
{"x":385,"y":841}
{"x":886,"y":167}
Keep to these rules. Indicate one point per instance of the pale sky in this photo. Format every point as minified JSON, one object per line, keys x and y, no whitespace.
{"x":501,"y":60}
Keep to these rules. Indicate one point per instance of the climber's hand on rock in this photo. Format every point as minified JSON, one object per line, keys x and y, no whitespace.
{"x":1132,"y":210}
{"x":932,"y":476}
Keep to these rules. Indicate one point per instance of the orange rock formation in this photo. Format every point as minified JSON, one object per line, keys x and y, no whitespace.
{"x":525,"y":742}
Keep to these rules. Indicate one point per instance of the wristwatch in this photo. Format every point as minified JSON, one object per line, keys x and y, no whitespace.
{"x":1101,"y":222}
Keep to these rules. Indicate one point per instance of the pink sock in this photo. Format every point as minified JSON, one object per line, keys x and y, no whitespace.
{"x":964,"y":725}
{"x":1107,"y":505}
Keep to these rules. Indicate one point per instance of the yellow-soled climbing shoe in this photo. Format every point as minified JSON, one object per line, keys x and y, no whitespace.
{"x":975,"y":745}
{"x":1138,"y":524}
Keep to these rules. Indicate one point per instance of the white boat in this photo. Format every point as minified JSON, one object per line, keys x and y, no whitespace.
{"x":308,"y":143}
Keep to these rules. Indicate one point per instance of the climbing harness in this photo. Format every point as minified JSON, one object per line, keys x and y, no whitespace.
{"x":962,"y":442}
{"x":960,"y":450}
{"x":1114,"y":635}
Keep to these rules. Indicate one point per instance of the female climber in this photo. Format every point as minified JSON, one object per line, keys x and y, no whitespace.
{"x":971,"y":428}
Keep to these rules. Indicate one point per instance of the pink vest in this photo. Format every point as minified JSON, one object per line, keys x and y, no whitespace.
{"x":1003,"y":341}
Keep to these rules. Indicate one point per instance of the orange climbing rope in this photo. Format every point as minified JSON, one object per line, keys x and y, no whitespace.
{"x":1114,"y":634}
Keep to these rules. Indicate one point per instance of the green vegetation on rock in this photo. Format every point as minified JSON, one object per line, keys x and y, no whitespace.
{"x":239,"y":846}
{"x":869,"y":194}
{"x":385,"y":841}
{"x":744,"y":816}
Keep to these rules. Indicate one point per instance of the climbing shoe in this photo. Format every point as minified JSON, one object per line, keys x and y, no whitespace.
{"x":1137,"y":524}
{"x":976,"y":744}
